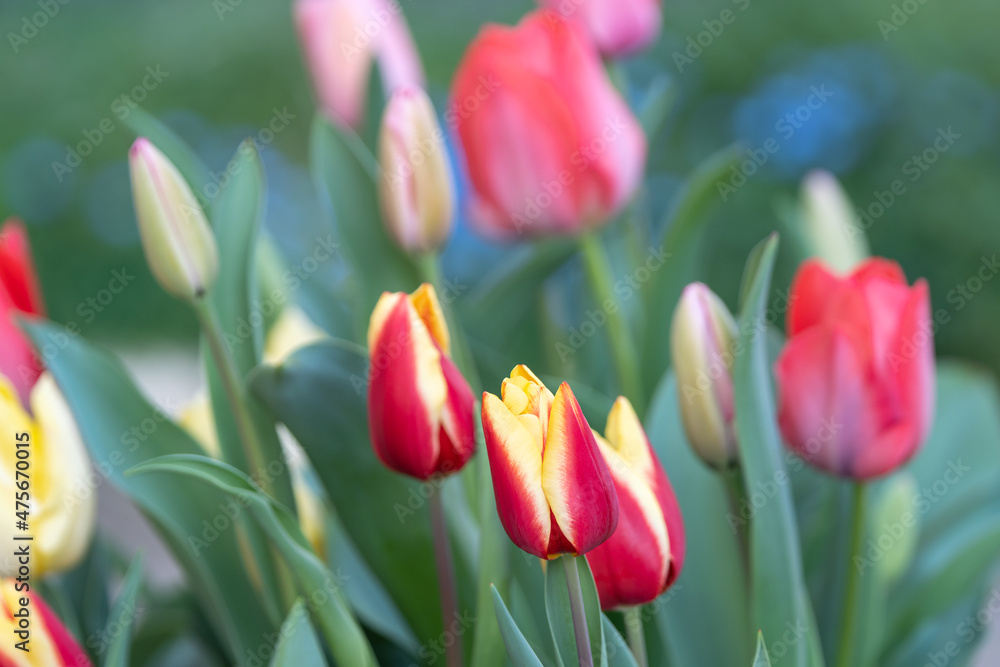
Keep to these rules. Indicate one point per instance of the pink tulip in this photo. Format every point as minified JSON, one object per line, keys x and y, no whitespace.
{"x":19,"y":293}
{"x":341,"y":39}
{"x":551,"y":147}
{"x":618,"y":27}
{"x":856,"y":377}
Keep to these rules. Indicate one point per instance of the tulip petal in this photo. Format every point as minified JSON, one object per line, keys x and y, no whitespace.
{"x":17,"y":270}
{"x":516,"y":468}
{"x":458,"y":429}
{"x":425,"y":300}
{"x":575,"y":478}
{"x":407,"y":390}
{"x":812,"y":289}
{"x":69,"y":651}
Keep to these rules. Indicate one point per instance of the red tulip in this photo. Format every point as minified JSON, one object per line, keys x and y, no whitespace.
{"x":553,"y":490}
{"x":341,"y":39}
{"x":550,"y":145}
{"x":618,"y":27}
{"x":646,"y":553}
{"x":50,"y":644}
{"x":19,"y":292}
{"x":420,"y":408}
{"x":856,"y":377}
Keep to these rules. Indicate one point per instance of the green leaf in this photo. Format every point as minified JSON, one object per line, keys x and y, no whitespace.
{"x":493,"y":568}
{"x":709,"y":599}
{"x":780,"y":598}
{"x":298,"y":645}
{"x":619,"y":654}
{"x":518,"y":650}
{"x":762,"y":659}
{"x":557,"y":607}
{"x":194,"y":171}
{"x":316,"y":583}
{"x":345,"y":173}
{"x":319,"y":394}
{"x":123,"y":616}
{"x":681,"y":243}
{"x":121,"y":429}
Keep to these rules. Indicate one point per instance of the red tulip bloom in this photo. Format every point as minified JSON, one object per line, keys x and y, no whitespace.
{"x":646,"y":553}
{"x":420,"y":408}
{"x":19,"y":292}
{"x":856,"y":377}
{"x":553,"y":490}
{"x":551,"y":147}
{"x":617,"y":27}
{"x":51,"y":644}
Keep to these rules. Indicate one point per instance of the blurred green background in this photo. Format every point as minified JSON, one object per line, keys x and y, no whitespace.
{"x":227,"y":66}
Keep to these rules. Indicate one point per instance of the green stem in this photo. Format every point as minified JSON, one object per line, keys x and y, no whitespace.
{"x":736,"y":494}
{"x":847,"y":624}
{"x":446,"y":576}
{"x":636,"y":635}
{"x":578,"y":612}
{"x":599,"y":275}
{"x":234,"y":390}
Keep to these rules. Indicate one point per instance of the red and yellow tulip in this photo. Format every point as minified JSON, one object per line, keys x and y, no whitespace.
{"x":19,"y":292}
{"x":553,"y":490}
{"x":49,"y":643}
{"x":420,"y":408}
{"x":646,"y":552}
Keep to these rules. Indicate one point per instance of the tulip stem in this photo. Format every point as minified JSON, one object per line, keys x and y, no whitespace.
{"x":233,"y":387}
{"x":736,"y":493}
{"x":598,"y":269}
{"x":847,"y":624}
{"x":636,"y":635}
{"x":446,"y":576}
{"x":579,"y":613}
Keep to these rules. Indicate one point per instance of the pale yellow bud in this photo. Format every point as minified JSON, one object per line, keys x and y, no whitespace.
{"x":832,"y":230}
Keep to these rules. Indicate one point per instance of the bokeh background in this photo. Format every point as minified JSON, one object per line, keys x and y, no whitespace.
{"x":897,"y":74}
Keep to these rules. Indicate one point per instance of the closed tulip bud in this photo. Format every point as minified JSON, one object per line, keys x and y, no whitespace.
{"x":341,"y":39}
{"x":831,"y":226}
{"x":856,"y":376}
{"x":46,"y":642}
{"x":19,"y":293}
{"x":415,"y":189}
{"x":646,"y":553}
{"x":420,"y":408}
{"x":61,"y":511}
{"x":702,"y":337}
{"x":618,"y":27}
{"x":550,"y":145}
{"x":553,"y":491}
{"x":178,"y":242}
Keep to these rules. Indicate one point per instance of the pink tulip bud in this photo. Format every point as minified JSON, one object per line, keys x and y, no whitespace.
{"x":551,"y":147}
{"x":856,"y":377}
{"x":553,"y":490}
{"x":646,"y":553}
{"x":341,"y":39}
{"x":617,"y":27}
{"x":415,"y":189}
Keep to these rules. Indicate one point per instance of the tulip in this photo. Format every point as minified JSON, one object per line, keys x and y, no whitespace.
{"x":831,"y":226}
{"x":618,"y":28}
{"x":19,"y":292}
{"x":702,"y":339}
{"x":61,"y":509}
{"x":178,"y":242}
{"x":341,"y":39}
{"x":553,"y":490}
{"x":420,"y":408}
{"x":646,"y":552}
{"x":415,"y":189}
{"x":49,"y":644}
{"x":551,"y":147}
{"x":856,"y":377}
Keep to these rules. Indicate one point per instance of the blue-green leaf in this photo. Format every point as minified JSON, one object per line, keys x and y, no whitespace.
{"x":123,"y":617}
{"x":298,"y":645}
{"x":518,"y":650}
{"x":557,"y":607}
